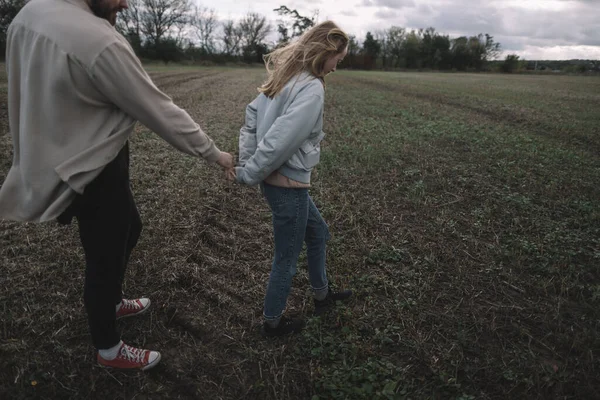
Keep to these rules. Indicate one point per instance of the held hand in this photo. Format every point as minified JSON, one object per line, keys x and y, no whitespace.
{"x":226,"y":161}
{"x":230,"y":175}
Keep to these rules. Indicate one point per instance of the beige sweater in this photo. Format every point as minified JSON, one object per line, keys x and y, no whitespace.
{"x":75,"y":92}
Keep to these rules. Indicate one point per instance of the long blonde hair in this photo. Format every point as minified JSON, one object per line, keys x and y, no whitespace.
{"x":309,"y":53}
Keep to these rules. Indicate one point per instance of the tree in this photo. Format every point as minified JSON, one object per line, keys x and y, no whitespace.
{"x":205,"y":22}
{"x":371,"y":49}
{"x":411,"y":48}
{"x":460,"y":53}
{"x":492,"y":48}
{"x":8,"y":11}
{"x":482,"y":49}
{"x":299,"y":24}
{"x":254,"y":28}
{"x":232,"y":38}
{"x":160,"y":17}
{"x":169,"y":49}
{"x":129,"y":20}
{"x":429,"y":58}
{"x":395,"y":42}
{"x":476,"y":52}
{"x":510,"y":64}
{"x":442,"y":56}
{"x":353,"y":50}
{"x":381,"y":37}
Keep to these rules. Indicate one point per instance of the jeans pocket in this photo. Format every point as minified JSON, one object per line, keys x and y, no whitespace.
{"x":275,"y":195}
{"x":282,"y":196}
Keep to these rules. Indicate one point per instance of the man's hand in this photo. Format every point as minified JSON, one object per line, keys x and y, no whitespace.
{"x":226,"y":161}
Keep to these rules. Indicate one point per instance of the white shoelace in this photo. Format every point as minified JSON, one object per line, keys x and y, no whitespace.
{"x":130,"y":305}
{"x":132,"y":354}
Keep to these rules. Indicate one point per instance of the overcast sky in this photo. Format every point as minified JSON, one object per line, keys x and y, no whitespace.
{"x":533,"y":29}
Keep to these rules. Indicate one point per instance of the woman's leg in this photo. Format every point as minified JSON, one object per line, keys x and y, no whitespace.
{"x":316,"y":237}
{"x":290,"y":215}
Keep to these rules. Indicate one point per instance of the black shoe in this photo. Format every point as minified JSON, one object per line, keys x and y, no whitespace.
{"x":322,"y":306}
{"x":286,"y":326}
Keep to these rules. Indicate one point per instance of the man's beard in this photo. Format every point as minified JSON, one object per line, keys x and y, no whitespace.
{"x":101,"y":9}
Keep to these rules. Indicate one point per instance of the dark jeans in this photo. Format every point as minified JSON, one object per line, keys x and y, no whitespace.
{"x":296,"y":220}
{"x":109,"y":228}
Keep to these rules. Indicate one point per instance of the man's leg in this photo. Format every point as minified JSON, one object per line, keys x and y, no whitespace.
{"x":109,"y":227}
{"x":104,"y":217}
{"x":135,"y":229}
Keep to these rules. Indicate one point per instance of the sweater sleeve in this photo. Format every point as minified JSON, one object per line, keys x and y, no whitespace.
{"x":119,"y":75}
{"x":283,"y":139}
{"x":247,"y":142}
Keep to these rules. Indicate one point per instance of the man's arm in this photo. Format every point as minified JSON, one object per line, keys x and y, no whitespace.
{"x":119,"y":75}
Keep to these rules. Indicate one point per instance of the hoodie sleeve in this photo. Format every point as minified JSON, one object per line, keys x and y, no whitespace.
{"x":247,"y":142}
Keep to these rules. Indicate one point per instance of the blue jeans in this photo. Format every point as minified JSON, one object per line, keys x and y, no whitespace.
{"x":296,"y":219}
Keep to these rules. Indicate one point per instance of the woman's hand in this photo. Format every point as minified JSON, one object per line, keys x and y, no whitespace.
{"x":230,"y":175}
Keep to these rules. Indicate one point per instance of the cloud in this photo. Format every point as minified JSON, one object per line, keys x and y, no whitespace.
{"x":517,"y":24}
{"x":424,"y":8}
{"x":394,"y":4}
{"x":577,"y":25}
{"x":558,"y":52}
{"x":387,"y":15}
{"x":349,"y":13}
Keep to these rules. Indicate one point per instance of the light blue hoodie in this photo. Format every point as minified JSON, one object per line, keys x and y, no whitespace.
{"x":283,"y":133}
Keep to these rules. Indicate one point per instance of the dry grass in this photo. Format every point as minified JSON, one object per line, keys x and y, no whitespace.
{"x":464,"y":212}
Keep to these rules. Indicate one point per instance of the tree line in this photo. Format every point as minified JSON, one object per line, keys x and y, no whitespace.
{"x":174,"y":30}
{"x":178,"y":30}
{"x":181,"y":30}
{"x":400,"y":48}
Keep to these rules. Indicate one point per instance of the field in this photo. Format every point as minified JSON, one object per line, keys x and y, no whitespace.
{"x":465,"y":215}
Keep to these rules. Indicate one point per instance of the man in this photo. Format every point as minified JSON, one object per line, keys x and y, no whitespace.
{"x":75,"y":92}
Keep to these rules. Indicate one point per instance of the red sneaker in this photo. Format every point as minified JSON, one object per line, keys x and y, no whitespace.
{"x":131,"y":308}
{"x":132,"y":358}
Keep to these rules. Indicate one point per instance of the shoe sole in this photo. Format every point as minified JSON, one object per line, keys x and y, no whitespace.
{"x":144,"y":311}
{"x":153,"y":364}
{"x":146,"y":368}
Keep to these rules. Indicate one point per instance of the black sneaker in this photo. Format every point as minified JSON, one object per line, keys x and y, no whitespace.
{"x":286,"y":326}
{"x":322,"y":306}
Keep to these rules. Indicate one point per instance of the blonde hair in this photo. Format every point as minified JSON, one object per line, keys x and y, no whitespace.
{"x":309,"y":53}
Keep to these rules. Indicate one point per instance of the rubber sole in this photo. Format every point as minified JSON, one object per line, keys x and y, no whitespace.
{"x":146,"y":368}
